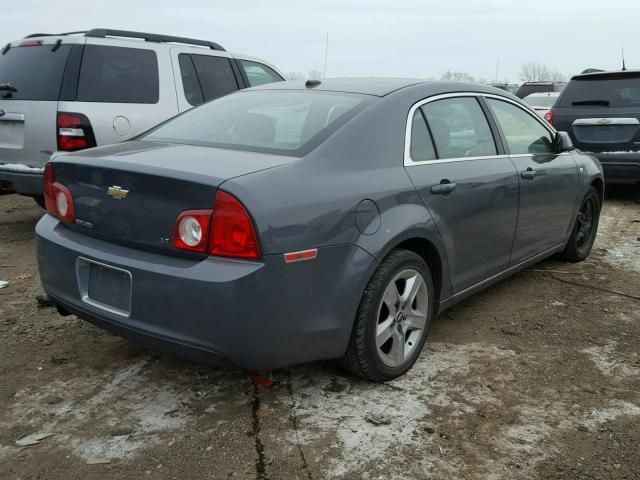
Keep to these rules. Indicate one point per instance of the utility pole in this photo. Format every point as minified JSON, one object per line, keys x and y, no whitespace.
{"x":326,"y":50}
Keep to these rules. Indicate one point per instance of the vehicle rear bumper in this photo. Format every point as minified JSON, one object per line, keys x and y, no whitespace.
{"x":253,"y":315}
{"x":28,"y":182}
{"x":620,"y":167}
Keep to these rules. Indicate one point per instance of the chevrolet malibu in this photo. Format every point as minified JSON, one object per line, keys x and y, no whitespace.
{"x":322,"y":220}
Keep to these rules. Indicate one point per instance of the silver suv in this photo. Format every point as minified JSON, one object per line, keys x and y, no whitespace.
{"x":77,"y":90}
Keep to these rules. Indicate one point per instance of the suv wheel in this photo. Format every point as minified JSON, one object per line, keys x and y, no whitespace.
{"x":584,"y":231}
{"x":392,"y":321}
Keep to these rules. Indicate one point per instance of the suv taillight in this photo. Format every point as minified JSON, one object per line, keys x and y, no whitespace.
{"x":549,"y":117}
{"x":74,"y":132}
{"x":227,"y":231}
{"x":57,"y":197}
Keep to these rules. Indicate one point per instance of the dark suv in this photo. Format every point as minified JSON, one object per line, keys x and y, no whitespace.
{"x":601,"y":113}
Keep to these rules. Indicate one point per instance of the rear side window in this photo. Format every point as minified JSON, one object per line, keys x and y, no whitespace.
{"x":215,"y":75}
{"x":460,"y":128}
{"x":421,"y":145}
{"x":622,"y":90}
{"x":35,"y":72}
{"x":190,"y":84}
{"x":272,"y":121}
{"x":259,"y":74}
{"x":118,"y":75}
{"x":524,"y":134}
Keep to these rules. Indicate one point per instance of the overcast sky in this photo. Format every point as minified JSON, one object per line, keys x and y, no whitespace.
{"x":369,"y":38}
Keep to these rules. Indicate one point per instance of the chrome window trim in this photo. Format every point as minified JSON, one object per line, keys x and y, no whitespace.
{"x":409,"y":162}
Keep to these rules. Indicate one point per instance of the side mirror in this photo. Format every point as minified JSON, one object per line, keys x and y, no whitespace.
{"x":562,"y":142}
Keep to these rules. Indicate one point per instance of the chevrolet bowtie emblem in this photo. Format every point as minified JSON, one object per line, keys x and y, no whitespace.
{"x":117,"y":192}
{"x":604,"y":121}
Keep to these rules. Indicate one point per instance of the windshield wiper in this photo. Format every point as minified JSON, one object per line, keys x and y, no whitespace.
{"x":8,"y":87}
{"x":600,"y":103}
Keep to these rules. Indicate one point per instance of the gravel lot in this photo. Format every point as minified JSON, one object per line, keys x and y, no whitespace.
{"x":537,"y":377}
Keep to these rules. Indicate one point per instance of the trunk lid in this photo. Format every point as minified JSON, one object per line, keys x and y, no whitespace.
{"x":30,"y":82}
{"x":132,"y":193}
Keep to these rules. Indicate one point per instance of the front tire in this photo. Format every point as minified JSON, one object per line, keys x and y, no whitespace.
{"x":393,"y":318}
{"x":585,"y":229}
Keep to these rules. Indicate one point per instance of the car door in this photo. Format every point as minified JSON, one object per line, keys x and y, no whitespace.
{"x":202,"y":77}
{"x":548,"y":180}
{"x":466,"y":182}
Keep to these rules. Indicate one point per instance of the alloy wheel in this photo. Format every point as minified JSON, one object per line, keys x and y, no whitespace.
{"x":402,"y":317}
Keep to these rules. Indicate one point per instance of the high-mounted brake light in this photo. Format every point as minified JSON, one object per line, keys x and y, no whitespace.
{"x":31,"y":43}
{"x":74,"y":132}
{"x":225,"y":231}
{"x":57,"y":197}
{"x":232,"y":232}
{"x":549,"y":117}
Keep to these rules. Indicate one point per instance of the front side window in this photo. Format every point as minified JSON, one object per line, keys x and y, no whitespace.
{"x":272,"y":121}
{"x":118,"y":75}
{"x":259,"y":74}
{"x":459,"y":128}
{"x":523,"y":133}
{"x":215,"y":75}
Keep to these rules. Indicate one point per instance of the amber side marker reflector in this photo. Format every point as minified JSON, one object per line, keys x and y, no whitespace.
{"x":300,"y":256}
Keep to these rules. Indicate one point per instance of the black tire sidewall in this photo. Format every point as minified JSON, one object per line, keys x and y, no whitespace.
{"x":401,"y":261}
{"x":580,"y":253}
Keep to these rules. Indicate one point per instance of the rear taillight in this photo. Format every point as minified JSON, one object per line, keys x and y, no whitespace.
{"x":74,"y":132}
{"x":549,"y":117}
{"x":232,"y":232}
{"x":57,"y":197}
{"x":192,"y":230}
{"x":227,"y":231}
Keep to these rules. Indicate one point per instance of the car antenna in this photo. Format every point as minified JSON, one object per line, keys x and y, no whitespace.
{"x":312,"y":83}
{"x":624,"y":67}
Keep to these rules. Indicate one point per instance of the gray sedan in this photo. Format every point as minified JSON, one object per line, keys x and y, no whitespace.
{"x":302,"y":221}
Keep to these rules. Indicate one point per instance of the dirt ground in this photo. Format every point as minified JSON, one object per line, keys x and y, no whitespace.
{"x":537,"y":377}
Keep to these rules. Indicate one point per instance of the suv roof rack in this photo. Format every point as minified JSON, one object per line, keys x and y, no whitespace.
{"x":148,"y":37}
{"x":151,"y":37}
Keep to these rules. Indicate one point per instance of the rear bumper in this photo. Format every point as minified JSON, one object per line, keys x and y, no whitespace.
{"x":620,"y":167}
{"x":27,"y":182}
{"x":252,"y":315}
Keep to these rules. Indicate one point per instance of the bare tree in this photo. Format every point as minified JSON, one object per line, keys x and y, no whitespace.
{"x":314,"y":75}
{"x":457,"y":77}
{"x":536,"y":72}
{"x":295,"y":76}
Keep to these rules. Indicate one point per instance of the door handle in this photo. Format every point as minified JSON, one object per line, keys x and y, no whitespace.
{"x":528,"y":174}
{"x":443,"y":188}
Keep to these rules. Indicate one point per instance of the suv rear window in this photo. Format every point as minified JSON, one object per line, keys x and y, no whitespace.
{"x":282,"y":122}
{"x":259,"y":74}
{"x":35,"y":71}
{"x":118,"y":75}
{"x":622,"y":90}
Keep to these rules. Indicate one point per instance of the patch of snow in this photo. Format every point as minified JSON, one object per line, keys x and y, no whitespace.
{"x":606,"y":361}
{"x":16,"y":167}
{"x":597,"y":417}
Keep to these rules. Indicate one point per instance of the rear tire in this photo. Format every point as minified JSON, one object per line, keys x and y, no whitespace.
{"x":585,"y":229}
{"x":392,"y":320}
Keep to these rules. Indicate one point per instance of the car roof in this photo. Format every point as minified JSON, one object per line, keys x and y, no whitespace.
{"x":379,"y":86}
{"x":607,"y":74}
{"x":543,"y":94}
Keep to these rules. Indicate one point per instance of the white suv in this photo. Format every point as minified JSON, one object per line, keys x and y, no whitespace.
{"x":78,"y":90}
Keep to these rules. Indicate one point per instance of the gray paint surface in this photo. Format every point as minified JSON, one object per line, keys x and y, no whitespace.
{"x":243,"y":312}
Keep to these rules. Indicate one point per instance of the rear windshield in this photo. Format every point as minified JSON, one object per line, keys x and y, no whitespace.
{"x":278,"y":121}
{"x":35,"y":72}
{"x":605,"y":92}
